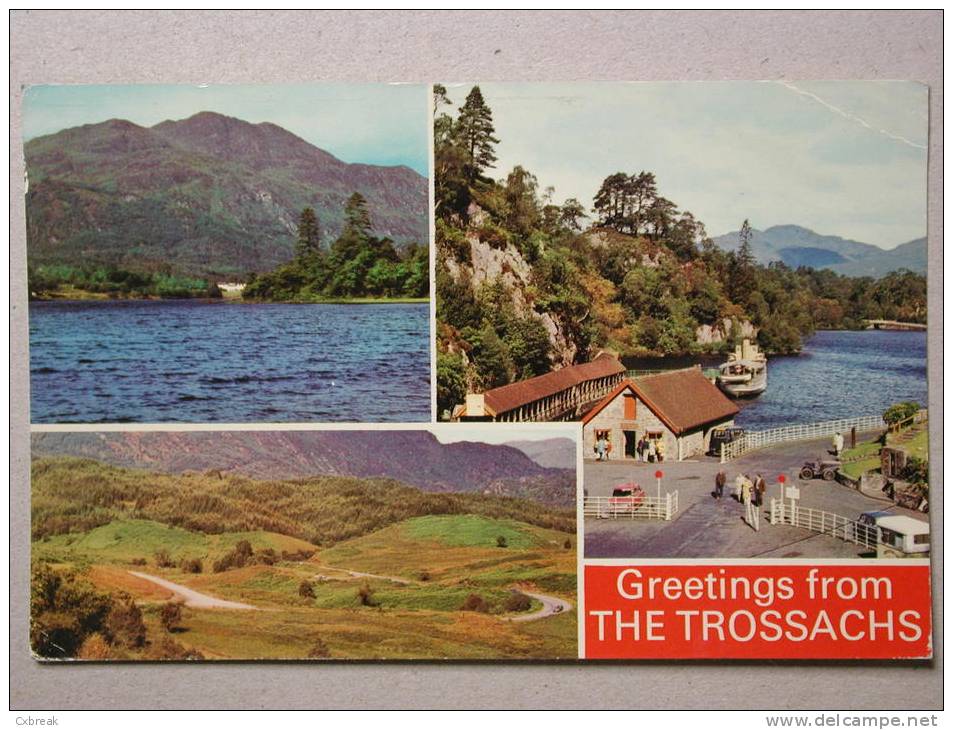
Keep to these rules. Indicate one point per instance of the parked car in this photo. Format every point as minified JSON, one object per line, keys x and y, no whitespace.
{"x":626,"y":497}
{"x":724,"y":435}
{"x":826,"y":469}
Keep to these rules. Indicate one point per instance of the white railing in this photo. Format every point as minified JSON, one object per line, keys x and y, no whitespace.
{"x":825,"y":523}
{"x":800,"y":432}
{"x":616,"y":508}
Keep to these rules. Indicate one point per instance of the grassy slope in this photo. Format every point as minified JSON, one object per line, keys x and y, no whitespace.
{"x":444,"y":557}
{"x":76,"y":495}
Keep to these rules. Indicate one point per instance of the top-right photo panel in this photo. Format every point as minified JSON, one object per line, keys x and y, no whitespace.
{"x":747,"y":256}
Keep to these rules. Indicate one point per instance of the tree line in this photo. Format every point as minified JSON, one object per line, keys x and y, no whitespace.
{"x":356,"y":264}
{"x":632,"y":273}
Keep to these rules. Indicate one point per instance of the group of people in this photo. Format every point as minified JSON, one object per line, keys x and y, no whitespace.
{"x":650,"y":449}
{"x":745,"y":491}
{"x":646,"y":449}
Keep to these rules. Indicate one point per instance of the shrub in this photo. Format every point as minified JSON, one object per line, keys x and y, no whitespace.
{"x":171,"y":616}
{"x":190,"y":565}
{"x":237,"y":558}
{"x":916,"y":471}
{"x":475,"y":602}
{"x":423,"y":576}
{"x":138,"y":561}
{"x":365,"y":594}
{"x":170,"y":650}
{"x":162,"y":559}
{"x":900,"y":411}
{"x":501,"y":541}
{"x":63,"y":612}
{"x":123,"y":626}
{"x":568,"y":544}
{"x":264,"y":557}
{"x":306,"y":589}
{"x":319,"y":650}
{"x":95,"y":648}
{"x":517,"y":601}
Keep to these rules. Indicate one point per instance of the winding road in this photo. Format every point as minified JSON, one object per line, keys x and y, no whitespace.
{"x":551,"y":607}
{"x":191,"y":598}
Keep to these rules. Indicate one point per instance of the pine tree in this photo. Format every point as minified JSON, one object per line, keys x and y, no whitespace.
{"x":357,"y":219}
{"x":309,"y":234}
{"x":474,"y":130}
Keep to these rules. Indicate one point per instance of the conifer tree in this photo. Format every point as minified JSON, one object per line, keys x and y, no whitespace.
{"x":474,"y":130}
{"x":309,"y":234}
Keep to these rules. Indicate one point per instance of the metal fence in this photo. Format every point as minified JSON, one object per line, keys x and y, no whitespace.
{"x":801,"y":432}
{"x":616,"y":508}
{"x":825,"y":523}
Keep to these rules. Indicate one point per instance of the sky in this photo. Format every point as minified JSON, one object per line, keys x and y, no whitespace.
{"x":379,"y":124}
{"x":845,"y":158}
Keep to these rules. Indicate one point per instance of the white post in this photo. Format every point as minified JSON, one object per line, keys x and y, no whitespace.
{"x":668,"y":507}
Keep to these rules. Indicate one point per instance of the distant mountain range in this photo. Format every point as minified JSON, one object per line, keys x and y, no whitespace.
{"x":558,"y":453}
{"x":798,"y":246}
{"x":415,"y":458}
{"x":210,"y":195}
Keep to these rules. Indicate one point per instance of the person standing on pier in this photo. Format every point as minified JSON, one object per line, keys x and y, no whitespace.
{"x":720,"y":479}
{"x":838,"y":444}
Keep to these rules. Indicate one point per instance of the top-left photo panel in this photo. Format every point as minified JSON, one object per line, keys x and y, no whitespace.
{"x":228,"y":254}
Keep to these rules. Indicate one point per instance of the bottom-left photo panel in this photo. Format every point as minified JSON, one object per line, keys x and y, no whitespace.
{"x":453,"y":542}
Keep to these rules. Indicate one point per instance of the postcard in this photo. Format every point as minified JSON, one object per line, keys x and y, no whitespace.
{"x":680,"y":385}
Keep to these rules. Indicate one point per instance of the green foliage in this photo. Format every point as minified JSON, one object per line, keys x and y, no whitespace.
{"x":451,"y":381}
{"x":358,"y":264}
{"x":64,"y":611}
{"x":75,"y":495}
{"x":916,"y":471}
{"x":46,"y":281}
{"x":501,"y":541}
{"x":900,"y":412}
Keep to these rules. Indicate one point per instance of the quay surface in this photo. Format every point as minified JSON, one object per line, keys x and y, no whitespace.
{"x":705,"y":527}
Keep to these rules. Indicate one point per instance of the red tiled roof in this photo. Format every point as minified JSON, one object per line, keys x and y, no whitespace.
{"x":682,"y":399}
{"x":508,"y":397}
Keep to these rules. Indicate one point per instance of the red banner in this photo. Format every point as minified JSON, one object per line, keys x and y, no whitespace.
{"x":864,"y":610}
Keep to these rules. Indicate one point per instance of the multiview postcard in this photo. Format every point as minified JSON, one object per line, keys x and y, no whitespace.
{"x":678,"y":406}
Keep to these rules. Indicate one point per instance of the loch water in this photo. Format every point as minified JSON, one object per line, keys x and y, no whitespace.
{"x":219,"y":362}
{"x":837,"y":375}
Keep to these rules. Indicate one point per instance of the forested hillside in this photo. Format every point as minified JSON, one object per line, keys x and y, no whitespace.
{"x":526,"y":284}
{"x":210,"y":197}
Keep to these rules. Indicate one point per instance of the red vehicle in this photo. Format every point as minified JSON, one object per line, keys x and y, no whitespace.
{"x":626,"y":497}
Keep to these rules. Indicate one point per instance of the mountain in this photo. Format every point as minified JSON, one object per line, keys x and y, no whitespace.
{"x":797,"y":246}
{"x":207,"y":196}
{"x":416,"y":458}
{"x":557,"y":453}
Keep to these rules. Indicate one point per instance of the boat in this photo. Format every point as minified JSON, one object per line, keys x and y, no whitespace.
{"x":745,"y":375}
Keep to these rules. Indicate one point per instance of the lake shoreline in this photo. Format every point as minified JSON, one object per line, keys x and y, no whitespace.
{"x":232,"y":300}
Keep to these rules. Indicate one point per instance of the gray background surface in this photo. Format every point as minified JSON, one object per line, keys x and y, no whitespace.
{"x":431,"y":46}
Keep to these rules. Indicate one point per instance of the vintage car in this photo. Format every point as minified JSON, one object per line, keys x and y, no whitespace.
{"x":823,"y":468}
{"x":626,"y":497}
{"x":725,"y":435}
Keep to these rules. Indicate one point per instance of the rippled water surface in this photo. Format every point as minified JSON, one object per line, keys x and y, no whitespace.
{"x":218,"y":362}
{"x":838,"y":375}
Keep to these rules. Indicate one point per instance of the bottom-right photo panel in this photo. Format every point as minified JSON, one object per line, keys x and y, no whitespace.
{"x":704,"y":540}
